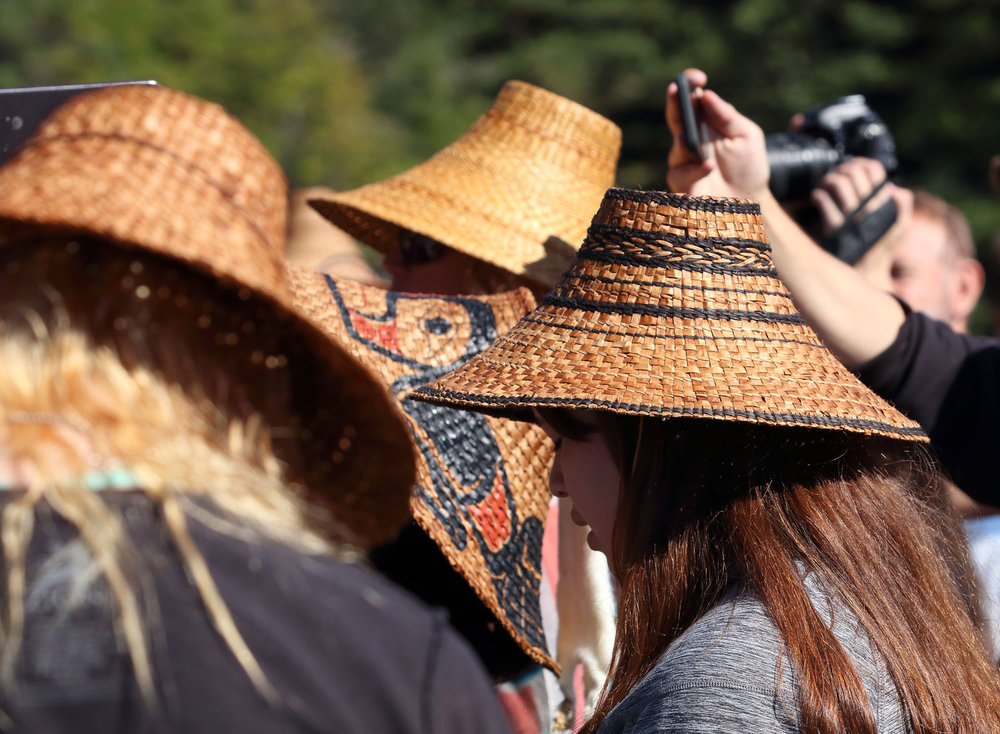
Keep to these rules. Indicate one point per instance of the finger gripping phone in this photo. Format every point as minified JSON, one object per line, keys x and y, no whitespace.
{"x":690,"y":124}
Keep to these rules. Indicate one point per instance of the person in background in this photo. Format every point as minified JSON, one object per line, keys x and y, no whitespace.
{"x":766,"y":515}
{"x":946,"y":381}
{"x":928,"y":262}
{"x":504,"y":206}
{"x":189,"y":468}
{"x":314,"y":243}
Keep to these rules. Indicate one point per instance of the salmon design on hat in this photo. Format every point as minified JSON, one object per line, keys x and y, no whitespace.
{"x":481,"y":492}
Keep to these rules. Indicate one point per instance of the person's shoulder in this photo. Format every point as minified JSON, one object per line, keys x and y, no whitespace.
{"x":735,"y":640}
{"x":314,"y":593}
{"x":349,"y":644}
{"x":719,"y":675}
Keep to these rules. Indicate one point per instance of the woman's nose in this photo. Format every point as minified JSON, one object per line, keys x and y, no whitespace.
{"x":557,"y":486}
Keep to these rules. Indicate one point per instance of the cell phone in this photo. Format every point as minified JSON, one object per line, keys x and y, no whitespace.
{"x":23,"y":109}
{"x":690,"y":119}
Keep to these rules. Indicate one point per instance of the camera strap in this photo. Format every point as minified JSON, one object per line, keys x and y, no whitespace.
{"x":860,"y":231}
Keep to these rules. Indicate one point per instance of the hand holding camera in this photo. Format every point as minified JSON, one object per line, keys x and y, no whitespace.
{"x":827,"y":136}
{"x":735,"y":158}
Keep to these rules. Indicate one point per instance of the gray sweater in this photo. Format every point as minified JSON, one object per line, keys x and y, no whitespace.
{"x":719,"y":676}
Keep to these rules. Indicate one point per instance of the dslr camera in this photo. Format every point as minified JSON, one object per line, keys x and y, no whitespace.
{"x":830,"y":134}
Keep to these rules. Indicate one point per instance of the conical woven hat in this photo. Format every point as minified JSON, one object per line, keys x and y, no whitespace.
{"x":672,"y":308}
{"x":482,"y":482}
{"x":155,"y":169}
{"x":518,"y":187}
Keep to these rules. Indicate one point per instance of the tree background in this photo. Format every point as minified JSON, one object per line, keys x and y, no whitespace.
{"x":345,"y":92}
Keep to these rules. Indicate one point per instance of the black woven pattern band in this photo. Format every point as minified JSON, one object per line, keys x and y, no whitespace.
{"x":648,"y":309}
{"x":687,"y":203}
{"x":817,"y":421}
{"x":653,"y":334}
{"x":660,"y":249}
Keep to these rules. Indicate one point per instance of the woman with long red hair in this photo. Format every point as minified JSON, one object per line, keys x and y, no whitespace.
{"x":783,"y":559}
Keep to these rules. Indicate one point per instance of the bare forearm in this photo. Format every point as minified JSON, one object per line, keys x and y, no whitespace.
{"x":855,"y":319}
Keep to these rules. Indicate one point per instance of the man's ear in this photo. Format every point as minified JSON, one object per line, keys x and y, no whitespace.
{"x":968,"y":283}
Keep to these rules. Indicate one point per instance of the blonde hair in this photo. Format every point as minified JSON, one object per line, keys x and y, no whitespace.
{"x":126,"y":359}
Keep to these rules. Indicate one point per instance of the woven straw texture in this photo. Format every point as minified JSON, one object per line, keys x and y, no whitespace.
{"x":153,"y":168}
{"x":672,"y":308}
{"x":517,"y":190}
{"x":482,"y":482}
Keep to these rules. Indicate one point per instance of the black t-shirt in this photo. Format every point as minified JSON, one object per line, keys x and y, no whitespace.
{"x":345,"y":649}
{"x":950,"y":384}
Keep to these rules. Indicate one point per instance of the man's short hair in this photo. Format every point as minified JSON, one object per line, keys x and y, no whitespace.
{"x":955,"y":224}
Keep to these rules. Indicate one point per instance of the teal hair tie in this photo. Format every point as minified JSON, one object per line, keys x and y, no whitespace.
{"x":99,"y":481}
{"x":118,"y":478}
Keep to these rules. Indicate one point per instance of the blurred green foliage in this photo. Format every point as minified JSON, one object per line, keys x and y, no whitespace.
{"x":278,"y":65}
{"x":345,"y":92}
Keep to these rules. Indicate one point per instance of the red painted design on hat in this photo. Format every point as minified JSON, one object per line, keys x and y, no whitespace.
{"x":492,"y":515}
{"x":385,"y":335}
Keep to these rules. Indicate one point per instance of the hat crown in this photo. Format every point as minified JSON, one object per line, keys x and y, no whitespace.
{"x":684,"y":256}
{"x":679,"y":221}
{"x":558,"y":127}
{"x":155,"y":168}
{"x":200,"y":136}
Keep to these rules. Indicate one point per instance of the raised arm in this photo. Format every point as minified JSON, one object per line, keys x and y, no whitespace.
{"x":856,"y":319}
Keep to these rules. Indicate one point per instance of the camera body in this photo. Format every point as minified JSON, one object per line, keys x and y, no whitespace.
{"x":830,"y":134}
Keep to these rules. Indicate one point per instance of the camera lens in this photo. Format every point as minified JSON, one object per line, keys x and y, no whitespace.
{"x":798,"y":162}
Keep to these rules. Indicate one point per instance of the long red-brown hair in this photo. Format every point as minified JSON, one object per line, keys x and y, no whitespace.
{"x":708,"y":504}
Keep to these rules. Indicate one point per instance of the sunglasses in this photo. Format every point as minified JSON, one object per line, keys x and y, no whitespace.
{"x":418,"y":249}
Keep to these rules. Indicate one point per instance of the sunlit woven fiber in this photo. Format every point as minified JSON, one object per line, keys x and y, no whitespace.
{"x":482,"y":482}
{"x":517,"y":190}
{"x":155,"y":169}
{"x":672,"y":308}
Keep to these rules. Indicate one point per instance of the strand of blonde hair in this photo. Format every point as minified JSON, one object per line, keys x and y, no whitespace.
{"x":218,"y":610}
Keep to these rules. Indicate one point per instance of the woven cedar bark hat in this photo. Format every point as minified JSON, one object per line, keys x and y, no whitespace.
{"x":672,"y":308}
{"x":482,"y":482}
{"x":518,"y":187}
{"x":155,"y":169}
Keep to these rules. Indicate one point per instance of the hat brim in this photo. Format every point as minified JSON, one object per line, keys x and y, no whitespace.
{"x":505,"y":380}
{"x":517,"y":190}
{"x":481,"y":492}
{"x":672,"y":309}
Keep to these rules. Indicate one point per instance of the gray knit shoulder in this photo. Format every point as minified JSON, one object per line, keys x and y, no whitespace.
{"x":721,"y":675}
